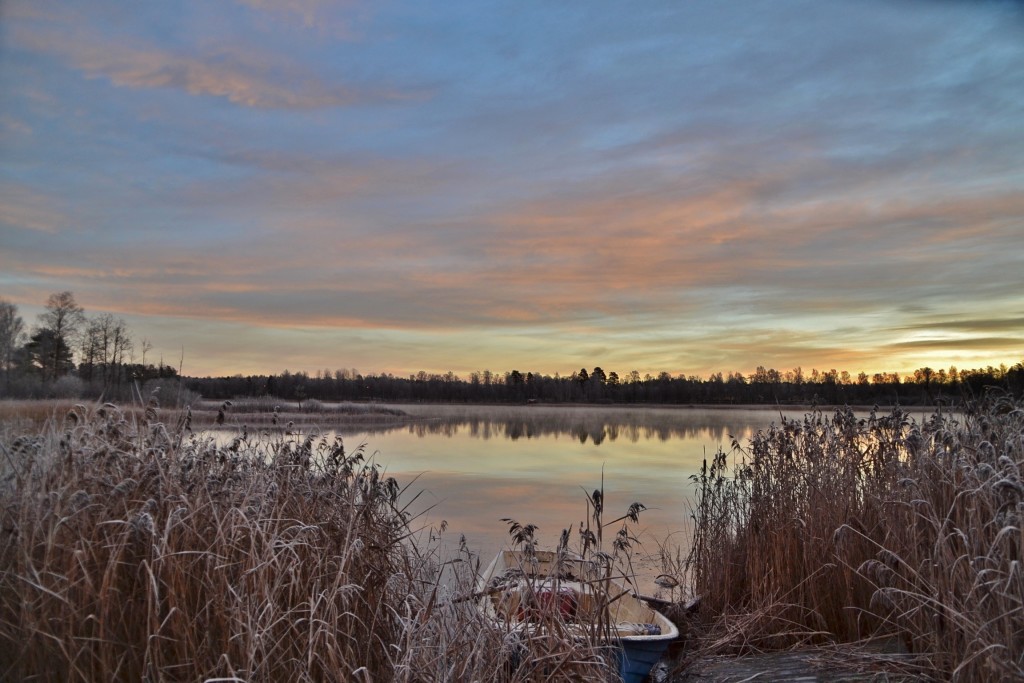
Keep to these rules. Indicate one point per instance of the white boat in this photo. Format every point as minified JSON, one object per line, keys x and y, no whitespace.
{"x":532,"y":591}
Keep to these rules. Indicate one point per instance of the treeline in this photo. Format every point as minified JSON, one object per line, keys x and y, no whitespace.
{"x":39,"y":362}
{"x":924,"y":386}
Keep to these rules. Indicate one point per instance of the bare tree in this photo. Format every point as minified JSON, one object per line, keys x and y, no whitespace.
{"x":121,"y":344}
{"x":12,"y":328}
{"x":63,"y":318}
{"x":104,"y":344}
{"x":91,"y":351}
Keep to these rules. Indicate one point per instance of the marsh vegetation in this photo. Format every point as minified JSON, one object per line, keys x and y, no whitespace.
{"x":844,"y":528}
{"x":133,"y":547}
{"x":132,"y":550}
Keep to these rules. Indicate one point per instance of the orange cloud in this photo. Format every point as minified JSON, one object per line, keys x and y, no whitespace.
{"x":24,"y":209}
{"x":243,"y":78}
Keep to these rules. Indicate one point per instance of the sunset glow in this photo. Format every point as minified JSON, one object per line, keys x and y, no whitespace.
{"x":393,"y":186}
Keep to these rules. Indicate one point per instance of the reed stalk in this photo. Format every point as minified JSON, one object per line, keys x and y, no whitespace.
{"x":130,"y":550}
{"x":840,"y":528}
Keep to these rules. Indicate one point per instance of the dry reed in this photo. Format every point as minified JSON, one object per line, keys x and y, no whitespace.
{"x":841,"y":528}
{"x":27,"y":414}
{"x":131,"y":551}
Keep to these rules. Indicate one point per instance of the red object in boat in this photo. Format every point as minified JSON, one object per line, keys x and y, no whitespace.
{"x":547,"y":601}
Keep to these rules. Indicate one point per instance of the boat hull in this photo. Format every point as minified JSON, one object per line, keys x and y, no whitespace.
{"x":638,"y":657}
{"x":640,"y":635}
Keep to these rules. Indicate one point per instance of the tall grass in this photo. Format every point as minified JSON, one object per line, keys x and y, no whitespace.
{"x":841,"y":528}
{"x":22,"y":415}
{"x":134,"y":551}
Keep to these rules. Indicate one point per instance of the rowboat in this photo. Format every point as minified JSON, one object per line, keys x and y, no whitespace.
{"x":561,"y":591}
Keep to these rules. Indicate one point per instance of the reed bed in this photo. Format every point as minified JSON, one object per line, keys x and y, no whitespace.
{"x":23,"y":415}
{"x":131,"y":550}
{"x":268,"y":412}
{"x":839,"y":528}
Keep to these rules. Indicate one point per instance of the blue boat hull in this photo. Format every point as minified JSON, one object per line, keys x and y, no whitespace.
{"x":636,"y":634}
{"x":638,"y":657}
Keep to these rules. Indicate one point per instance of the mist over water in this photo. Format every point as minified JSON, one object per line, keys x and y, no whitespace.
{"x":472,"y":466}
{"x":475,"y":465}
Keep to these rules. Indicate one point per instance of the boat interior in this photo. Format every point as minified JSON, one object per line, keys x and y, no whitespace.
{"x":546,"y":586}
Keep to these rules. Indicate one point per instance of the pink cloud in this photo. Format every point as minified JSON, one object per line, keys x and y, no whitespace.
{"x":23,"y":209}
{"x":244,"y":78}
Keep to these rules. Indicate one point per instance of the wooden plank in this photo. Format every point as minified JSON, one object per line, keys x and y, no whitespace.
{"x":800,"y":666}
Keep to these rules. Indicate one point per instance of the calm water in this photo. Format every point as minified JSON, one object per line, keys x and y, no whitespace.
{"x":477,"y":465}
{"x":471,"y":466}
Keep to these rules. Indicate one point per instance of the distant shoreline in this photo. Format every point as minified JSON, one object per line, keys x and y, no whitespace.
{"x":260,"y":412}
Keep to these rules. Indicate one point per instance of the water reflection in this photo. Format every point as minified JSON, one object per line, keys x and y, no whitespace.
{"x":592,"y":431}
{"x":474,"y":465}
{"x":585,"y":424}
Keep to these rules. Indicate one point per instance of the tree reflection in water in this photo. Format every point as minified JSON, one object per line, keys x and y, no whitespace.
{"x":585,"y":424}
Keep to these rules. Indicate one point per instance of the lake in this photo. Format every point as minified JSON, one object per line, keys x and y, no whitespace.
{"x":474,"y":465}
{"x":478,"y":464}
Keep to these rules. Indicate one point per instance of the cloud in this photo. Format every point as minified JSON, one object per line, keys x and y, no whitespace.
{"x":963,"y":343}
{"x":592,"y":258}
{"x":968,"y":325}
{"x":671,"y":189}
{"x":242,"y":77}
{"x":21,"y":208}
{"x":662,"y":240}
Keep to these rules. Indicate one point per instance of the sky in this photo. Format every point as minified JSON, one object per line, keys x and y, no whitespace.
{"x":689,"y":186}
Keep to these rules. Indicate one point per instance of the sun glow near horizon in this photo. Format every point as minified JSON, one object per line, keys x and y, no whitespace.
{"x":690,"y":189}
